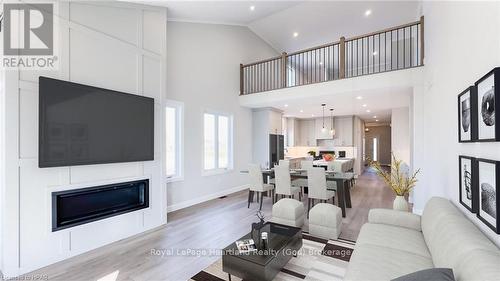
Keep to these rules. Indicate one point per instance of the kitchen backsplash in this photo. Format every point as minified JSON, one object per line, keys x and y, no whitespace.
{"x":302,"y":151}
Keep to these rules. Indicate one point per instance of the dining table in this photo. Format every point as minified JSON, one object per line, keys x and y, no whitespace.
{"x":342,"y":179}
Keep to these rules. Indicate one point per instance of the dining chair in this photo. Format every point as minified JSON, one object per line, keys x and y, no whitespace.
{"x":257,"y":185}
{"x":332,"y":166}
{"x":284,"y":183}
{"x":305,"y":165}
{"x":283,"y":162}
{"x":317,"y":185}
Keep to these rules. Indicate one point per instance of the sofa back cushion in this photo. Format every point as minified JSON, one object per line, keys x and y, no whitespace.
{"x":453,"y":239}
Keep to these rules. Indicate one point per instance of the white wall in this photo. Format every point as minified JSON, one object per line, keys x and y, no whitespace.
{"x":359,"y":134}
{"x":400,"y":134}
{"x":2,"y":162}
{"x":203,"y":72}
{"x":462,"y":42}
{"x":117,"y":46}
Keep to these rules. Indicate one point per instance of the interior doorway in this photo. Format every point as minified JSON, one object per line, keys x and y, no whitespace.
{"x":378,"y":144}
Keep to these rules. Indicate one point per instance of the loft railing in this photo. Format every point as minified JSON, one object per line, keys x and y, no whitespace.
{"x":395,"y":48}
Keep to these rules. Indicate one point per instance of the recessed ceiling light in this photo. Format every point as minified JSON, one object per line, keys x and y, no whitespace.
{"x":320,"y":63}
{"x":375,"y":116}
{"x":252,"y":8}
{"x":375,"y":53}
{"x":295,"y":34}
{"x":312,"y":115}
{"x":376,"y":120}
{"x":301,"y":111}
{"x":368,"y":12}
{"x":359,"y":97}
{"x":286,"y":105}
{"x":364,"y":105}
{"x":368,"y":111}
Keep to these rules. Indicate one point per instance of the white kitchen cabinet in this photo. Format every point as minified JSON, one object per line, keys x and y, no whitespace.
{"x":306,"y":136}
{"x":326,"y":133}
{"x":292,"y":132}
{"x":344,"y":130}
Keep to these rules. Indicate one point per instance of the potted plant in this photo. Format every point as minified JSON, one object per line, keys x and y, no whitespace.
{"x":398,"y":179}
{"x":312,"y":153}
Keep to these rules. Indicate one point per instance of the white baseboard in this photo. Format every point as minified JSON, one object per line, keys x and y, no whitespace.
{"x":189,"y":203}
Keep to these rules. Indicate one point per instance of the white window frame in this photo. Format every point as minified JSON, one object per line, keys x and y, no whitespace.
{"x":179,"y":161}
{"x":230,"y":164}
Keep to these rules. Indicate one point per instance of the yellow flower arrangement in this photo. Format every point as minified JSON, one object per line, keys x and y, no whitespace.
{"x":397,"y":179}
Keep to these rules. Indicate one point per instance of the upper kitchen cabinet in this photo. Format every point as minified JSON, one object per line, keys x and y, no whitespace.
{"x":307,"y":134}
{"x":344,"y":131}
{"x":323,"y":133}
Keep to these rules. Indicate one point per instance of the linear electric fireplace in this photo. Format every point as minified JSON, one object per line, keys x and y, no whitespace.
{"x":80,"y":206}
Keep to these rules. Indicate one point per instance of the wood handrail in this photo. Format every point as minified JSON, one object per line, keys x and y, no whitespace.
{"x":262,"y":61}
{"x":314,"y":48}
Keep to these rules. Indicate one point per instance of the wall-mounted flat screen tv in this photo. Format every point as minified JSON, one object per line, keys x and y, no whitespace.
{"x":82,"y":125}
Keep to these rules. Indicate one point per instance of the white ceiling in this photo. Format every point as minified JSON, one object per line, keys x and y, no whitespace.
{"x":379,"y":102}
{"x":317,"y":22}
{"x":220,"y":12}
{"x":320,"y":22}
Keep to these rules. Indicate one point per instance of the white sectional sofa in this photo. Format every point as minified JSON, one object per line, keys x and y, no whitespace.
{"x":395,"y":243}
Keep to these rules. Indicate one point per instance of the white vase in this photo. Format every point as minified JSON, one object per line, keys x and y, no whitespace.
{"x":400,"y":204}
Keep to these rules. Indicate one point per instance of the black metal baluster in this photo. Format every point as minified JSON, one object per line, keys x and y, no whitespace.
{"x":418,"y":46}
{"x":391,"y":48}
{"x":397,"y":49}
{"x":379,"y":53}
{"x":373,"y":56}
{"x":411,"y":53}
{"x":404,"y":47}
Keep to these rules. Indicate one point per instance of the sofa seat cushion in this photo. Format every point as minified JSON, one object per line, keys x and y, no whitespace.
{"x":399,"y":238}
{"x":372,"y":262}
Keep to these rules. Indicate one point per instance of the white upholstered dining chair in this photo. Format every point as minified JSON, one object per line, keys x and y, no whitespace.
{"x":284,"y":183}
{"x":304,"y":165}
{"x":307,"y":164}
{"x":257,"y":185}
{"x":317,"y":187}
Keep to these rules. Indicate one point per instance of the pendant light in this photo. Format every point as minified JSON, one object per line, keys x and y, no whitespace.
{"x":332,"y":130}
{"x":323,"y":129}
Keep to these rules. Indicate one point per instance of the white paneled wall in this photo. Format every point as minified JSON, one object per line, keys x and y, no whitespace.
{"x":112,"y":45}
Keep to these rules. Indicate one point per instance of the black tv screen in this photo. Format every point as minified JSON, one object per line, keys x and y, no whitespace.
{"x":81,"y":125}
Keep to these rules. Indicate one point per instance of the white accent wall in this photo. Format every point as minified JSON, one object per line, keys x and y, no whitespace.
{"x":203,"y":73}
{"x":462,"y":42}
{"x":117,"y":46}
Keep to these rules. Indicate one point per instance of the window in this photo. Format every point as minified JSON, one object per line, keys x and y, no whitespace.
{"x":375,"y":149}
{"x":217,"y":142}
{"x":173,"y":136}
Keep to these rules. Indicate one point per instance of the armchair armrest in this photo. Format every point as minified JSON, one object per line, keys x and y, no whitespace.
{"x":395,"y":218}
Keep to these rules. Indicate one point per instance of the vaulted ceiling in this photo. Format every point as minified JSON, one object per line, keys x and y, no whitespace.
{"x":314,"y":22}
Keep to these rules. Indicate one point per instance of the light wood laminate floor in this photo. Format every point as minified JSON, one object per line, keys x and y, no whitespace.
{"x":211,"y":225}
